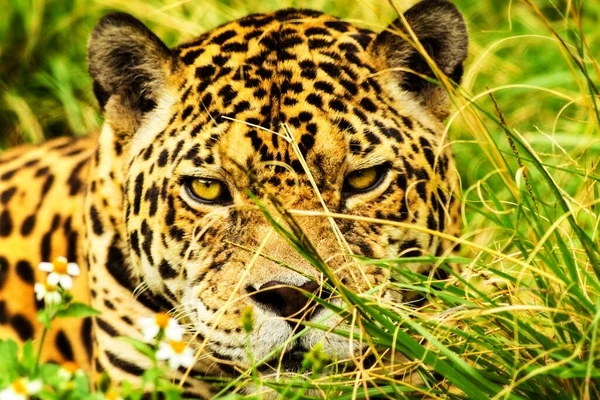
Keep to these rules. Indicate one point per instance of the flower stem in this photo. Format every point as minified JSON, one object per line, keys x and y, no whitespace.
{"x":39,"y":353}
{"x":155,"y":363}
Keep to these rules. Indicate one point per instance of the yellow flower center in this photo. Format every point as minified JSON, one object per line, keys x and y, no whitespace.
{"x":49,"y":287}
{"x":162,"y":320}
{"x":19,"y":387}
{"x":111,"y":395}
{"x":177,"y":346}
{"x":59,"y":265}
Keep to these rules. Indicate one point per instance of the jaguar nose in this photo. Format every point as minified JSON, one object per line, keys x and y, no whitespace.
{"x":297,"y":354}
{"x":285,"y":300}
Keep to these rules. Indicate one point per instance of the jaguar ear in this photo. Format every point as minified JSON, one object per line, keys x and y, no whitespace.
{"x":441,"y":30}
{"x":130,"y":66}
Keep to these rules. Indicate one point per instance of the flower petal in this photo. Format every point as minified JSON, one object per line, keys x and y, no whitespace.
{"x":64,"y":374}
{"x":187,"y":359}
{"x":10,"y":394}
{"x":174,"y":332}
{"x":52,"y":298}
{"x":34,"y":386}
{"x":40,"y":290}
{"x":53,"y":278}
{"x":164,"y":351}
{"x":174,"y":362}
{"x":66,"y":282}
{"x":73,"y":269}
{"x":150,"y":332}
{"x":45,"y":266}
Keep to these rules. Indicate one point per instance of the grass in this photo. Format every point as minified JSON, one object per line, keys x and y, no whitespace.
{"x":521,"y":319}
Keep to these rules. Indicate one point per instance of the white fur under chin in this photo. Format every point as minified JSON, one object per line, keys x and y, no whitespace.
{"x":271,"y":332}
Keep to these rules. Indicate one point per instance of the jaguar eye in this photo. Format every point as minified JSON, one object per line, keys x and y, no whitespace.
{"x":207,"y":190}
{"x":363,"y":180}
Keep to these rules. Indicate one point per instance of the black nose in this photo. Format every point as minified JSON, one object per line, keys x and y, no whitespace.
{"x":285,"y":300}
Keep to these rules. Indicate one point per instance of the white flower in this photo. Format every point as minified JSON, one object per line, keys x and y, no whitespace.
{"x":178,"y":353}
{"x":61,"y":272}
{"x":151,"y":327}
{"x":21,"y":389}
{"x":48,"y":292}
{"x":68,"y":369}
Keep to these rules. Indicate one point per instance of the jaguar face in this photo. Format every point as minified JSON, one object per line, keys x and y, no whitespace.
{"x":295,"y":106}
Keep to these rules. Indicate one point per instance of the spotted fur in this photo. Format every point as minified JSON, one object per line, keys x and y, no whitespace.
{"x":219,"y":107}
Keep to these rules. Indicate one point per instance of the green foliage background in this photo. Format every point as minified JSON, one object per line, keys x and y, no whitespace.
{"x":526,"y":310}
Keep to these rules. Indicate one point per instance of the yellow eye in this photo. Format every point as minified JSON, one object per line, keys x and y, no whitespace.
{"x":364,"y":180}
{"x":208,"y":190}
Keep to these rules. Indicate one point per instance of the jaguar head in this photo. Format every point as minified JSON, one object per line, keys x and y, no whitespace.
{"x":293,"y":121}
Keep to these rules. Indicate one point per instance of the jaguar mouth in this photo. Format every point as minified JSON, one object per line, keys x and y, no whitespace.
{"x":290,"y":362}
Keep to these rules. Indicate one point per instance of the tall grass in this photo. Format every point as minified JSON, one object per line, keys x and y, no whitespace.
{"x":520,"y":321}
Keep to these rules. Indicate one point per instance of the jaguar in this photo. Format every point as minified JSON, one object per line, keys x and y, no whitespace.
{"x":294,"y":118}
